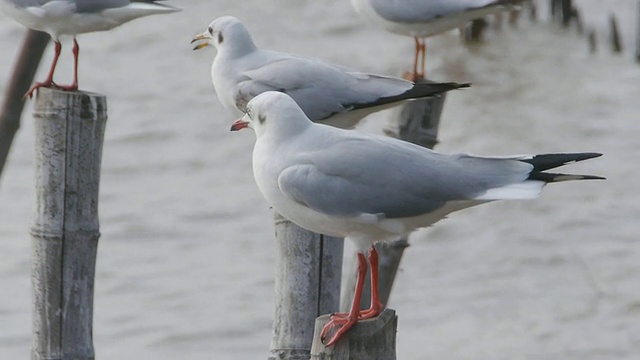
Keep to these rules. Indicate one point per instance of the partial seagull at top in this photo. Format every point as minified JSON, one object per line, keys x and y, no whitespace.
{"x":327,"y":93}
{"x":73,"y":17}
{"x":424,"y":18}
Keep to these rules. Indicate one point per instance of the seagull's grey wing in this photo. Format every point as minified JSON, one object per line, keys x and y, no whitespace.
{"x":28,"y":3}
{"x":320,"y":89}
{"x":392,"y":179}
{"x":416,"y":11}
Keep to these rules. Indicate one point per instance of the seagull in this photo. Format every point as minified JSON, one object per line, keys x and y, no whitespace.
{"x":371,"y":188}
{"x":424,"y":18}
{"x":73,"y":17}
{"x":329,"y":93}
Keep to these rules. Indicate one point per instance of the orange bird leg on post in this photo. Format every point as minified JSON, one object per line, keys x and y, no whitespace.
{"x":345,"y":323}
{"x":376,"y":306}
{"x":76,"y":55}
{"x":49,"y":80}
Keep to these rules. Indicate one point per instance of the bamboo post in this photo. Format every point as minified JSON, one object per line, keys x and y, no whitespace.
{"x":567,"y":12}
{"x":533,"y":11}
{"x":616,"y":43}
{"x":638,"y":35}
{"x":418,"y":123}
{"x":593,"y":44}
{"x":308,"y":275}
{"x":26,"y":65}
{"x":373,"y":339}
{"x":473,"y":32}
{"x":64,"y":226}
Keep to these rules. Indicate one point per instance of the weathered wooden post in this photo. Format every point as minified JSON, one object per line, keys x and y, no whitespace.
{"x":567,"y":12}
{"x":373,"y":339}
{"x":592,"y":41}
{"x":638,"y":35}
{"x":473,"y":31}
{"x":418,"y":123}
{"x":616,"y":43}
{"x":26,"y":65}
{"x":64,"y":227}
{"x":308,"y":275}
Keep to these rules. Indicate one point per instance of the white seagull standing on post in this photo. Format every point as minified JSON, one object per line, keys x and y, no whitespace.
{"x":424,"y":18}
{"x":328,"y":93}
{"x":73,"y":17}
{"x":373,"y":188}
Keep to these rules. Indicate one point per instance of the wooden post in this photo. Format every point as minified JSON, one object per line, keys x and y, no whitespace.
{"x":308,"y":275}
{"x":579,"y":22}
{"x":567,"y":12}
{"x":26,"y":65}
{"x":638,"y":35}
{"x":418,"y":123}
{"x":473,"y":32}
{"x":616,"y":43}
{"x":533,"y":11}
{"x":593,"y":43}
{"x":368,"y":340}
{"x":64,"y":227}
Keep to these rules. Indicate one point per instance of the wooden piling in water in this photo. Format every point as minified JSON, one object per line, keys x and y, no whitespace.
{"x":308,"y":276}
{"x":616,"y":43}
{"x":26,"y":65}
{"x":368,"y":340}
{"x":638,"y":35}
{"x":64,"y":226}
{"x":418,"y":123}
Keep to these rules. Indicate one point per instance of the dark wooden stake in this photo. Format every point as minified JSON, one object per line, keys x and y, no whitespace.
{"x":26,"y":65}
{"x":593,"y":44}
{"x":638,"y":35}
{"x":616,"y":43}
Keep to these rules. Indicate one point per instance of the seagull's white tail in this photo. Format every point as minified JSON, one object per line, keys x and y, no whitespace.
{"x":137,"y":9}
{"x":529,"y":189}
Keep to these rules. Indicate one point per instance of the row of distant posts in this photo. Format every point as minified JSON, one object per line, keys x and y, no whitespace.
{"x":65,"y":230}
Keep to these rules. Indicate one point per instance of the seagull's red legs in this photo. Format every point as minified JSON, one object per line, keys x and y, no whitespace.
{"x":49,"y":80}
{"x":76,"y":55}
{"x":376,"y":306}
{"x":420,"y":50}
{"x":344,"y":321}
{"x":339,"y":325}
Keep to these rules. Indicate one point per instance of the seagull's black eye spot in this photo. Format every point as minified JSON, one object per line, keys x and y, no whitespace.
{"x":262,"y":118}
{"x":220,"y":38}
{"x":210,"y":30}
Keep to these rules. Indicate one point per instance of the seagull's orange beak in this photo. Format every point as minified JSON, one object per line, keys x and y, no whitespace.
{"x":204,"y":36}
{"x":239,"y":125}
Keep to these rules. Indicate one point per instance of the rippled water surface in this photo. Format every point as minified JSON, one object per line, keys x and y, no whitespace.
{"x":185,"y":265}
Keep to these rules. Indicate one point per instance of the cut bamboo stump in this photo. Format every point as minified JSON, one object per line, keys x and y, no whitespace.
{"x":616,"y":43}
{"x":308,"y":275}
{"x":418,"y":123}
{"x":64,"y":227}
{"x":26,"y":65}
{"x":373,"y":339}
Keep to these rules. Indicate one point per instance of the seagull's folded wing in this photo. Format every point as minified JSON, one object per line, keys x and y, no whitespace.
{"x":320,"y":89}
{"x":375,"y":176}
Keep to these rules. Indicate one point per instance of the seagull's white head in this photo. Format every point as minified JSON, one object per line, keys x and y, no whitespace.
{"x":226,"y":34}
{"x":273,"y":113}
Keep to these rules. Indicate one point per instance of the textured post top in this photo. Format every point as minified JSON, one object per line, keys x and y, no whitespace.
{"x":373,"y":339}
{"x":86,"y":105}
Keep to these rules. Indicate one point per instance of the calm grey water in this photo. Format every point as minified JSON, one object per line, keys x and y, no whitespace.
{"x":185,"y":264}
